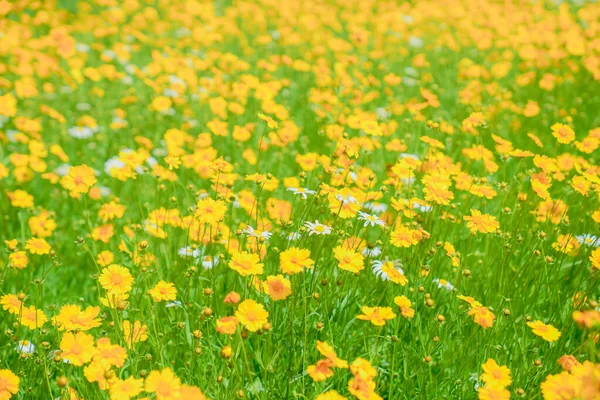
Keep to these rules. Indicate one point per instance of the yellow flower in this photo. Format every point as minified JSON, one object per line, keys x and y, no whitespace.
{"x":18,"y":259}
{"x":546,"y":332}
{"x":37,"y":246}
{"x":72,"y":318}
{"x":78,"y":348}
{"x":32,"y":318}
{"x":277,"y":287}
{"x":79,"y":179}
{"x":9,"y":384}
{"x":377,"y":315}
{"x":293,"y":260}
{"x":165,"y":384}
{"x":405,"y":306}
{"x":163,"y":291}
{"x":134,"y":333}
{"x":495,"y":375}
{"x":116,"y":279}
{"x":348,"y":259}
{"x":252,"y":315}
{"x":563,"y":133}
{"x":126,"y":389}
{"x":246,"y":263}
{"x":484,"y":223}
{"x":482,"y":316}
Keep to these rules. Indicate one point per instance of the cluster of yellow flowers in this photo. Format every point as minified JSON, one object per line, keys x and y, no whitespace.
{"x":193,"y":193}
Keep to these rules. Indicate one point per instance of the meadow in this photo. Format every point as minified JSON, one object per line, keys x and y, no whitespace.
{"x":317,"y":199}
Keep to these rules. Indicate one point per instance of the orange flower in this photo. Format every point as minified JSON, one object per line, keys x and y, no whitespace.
{"x":277,"y":287}
{"x":227,"y":325}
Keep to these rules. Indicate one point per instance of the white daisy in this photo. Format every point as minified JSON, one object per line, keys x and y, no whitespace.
{"x":588,"y":240}
{"x":250,"y":231}
{"x":371,"y":252}
{"x":317,"y":228}
{"x":81,"y":132}
{"x":442,"y":283}
{"x":301,"y":191}
{"x":188,"y":251}
{"x":210,"y":262}
{"x":370,"y":219}
{"x":25,"y":347}
{"x":377,"y":265}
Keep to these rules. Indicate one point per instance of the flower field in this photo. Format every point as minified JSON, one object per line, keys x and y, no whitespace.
{"x":317,"y":199}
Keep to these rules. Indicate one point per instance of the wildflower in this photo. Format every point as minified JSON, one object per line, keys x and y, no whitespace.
{"x":116,"y":279}
{"x":163,"y":291}
{"x":9,"y":384}
{"x":370,"y":219}
{"x":546,"y":332}
{"x":588,"y":318}
{"x":442,"y":283}
{"x":377,"y":315}
{"x":32,"y":317}
{"x":277,"y":287}
{"x":348,"y":259}
{"x":482,"y":316}
{"x":72,"y":318}
{"x":301,"y":191}
{"x":79,"y":179}
{"x":77,"y":348}
{"x":321,"y":371}
{"x":495,"y":375}
{"x":294,"y":260}
{"x":330,"y":395}
{"x":232,"y":298}
{"x":250,"y":231}
{"x":246,"y":263}
{"x":38,"y":246}
{"x":210,"y":211}
{"x":252,"y":315}
{"x":563,"y":133}
{"x":25,"y":347}
{"x":405,"y":306}
{"x":493,"y":393}
{"x":134,"y":333}
{"x":126,"y":389}
{"x":227,"y":325}
{"x":567,"y":362}
{"x":484,"y":223}
{"x":388,"y":271}
{"x":402,"y":236}
{"x":329,"y":353}
{"x":164,"y":384}
{"x":11,"y":303}
{"x":317,"y":228}
{"x":19,"y":259}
